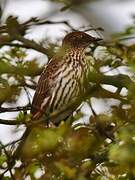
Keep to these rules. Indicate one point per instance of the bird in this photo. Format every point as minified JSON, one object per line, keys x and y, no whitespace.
{"x":61,"y":81}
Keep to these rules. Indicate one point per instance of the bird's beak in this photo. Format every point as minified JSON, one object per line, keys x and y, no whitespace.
{"x":98,"y":39}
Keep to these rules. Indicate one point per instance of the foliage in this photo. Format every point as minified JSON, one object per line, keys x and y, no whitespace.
{"x":102,"y":149}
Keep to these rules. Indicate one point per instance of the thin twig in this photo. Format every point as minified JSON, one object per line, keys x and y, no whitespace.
{"x":93,"y":111}
{"x":11,"y":143}
{"x":28,"y":95}
{"x":14,"y":109}
{"x":8,"y":161}
{"x":11,"y":122}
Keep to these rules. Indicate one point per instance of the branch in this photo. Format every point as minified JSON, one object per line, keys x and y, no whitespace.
{"x":15,"y":31}
{"x":14,"y":109}
{"x":6,"y":40}
{"x":10,"y":122}
{"x":20,"y":71}
{"x":47,"y":22}
{"x":33,"y":45}
{"x":118,"y":81}
{"x":10,"y":143}
{"x":103,"y":93}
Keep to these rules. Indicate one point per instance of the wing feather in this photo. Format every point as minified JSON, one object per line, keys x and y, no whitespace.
{"x":44,"y":90}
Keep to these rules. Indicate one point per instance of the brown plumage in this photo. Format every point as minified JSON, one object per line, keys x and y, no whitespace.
{"x":61,"y":81}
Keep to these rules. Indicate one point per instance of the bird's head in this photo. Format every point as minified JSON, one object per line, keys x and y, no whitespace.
{"x":78,"y":39}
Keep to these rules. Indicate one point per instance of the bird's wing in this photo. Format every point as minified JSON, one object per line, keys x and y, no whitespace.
{"x":44,"y":89}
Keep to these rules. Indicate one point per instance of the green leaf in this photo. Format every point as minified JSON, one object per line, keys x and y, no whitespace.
{"x":42,"y":140}
{"x":3,"y":159}
{"x":33,"y":167}
{"x":65,"y":170}
{"x":6,"y":178}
